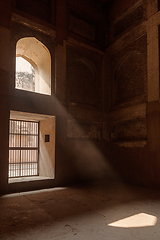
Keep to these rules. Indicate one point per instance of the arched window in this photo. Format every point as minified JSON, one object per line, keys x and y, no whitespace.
{"x":33,"y":66}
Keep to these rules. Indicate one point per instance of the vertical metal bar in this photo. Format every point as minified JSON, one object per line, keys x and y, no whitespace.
{"x":38,"y":150}
{"x":27,"y":163}
{"x":14,"y":166}
{"x":20,"y":149}
{"x":30,"y":162}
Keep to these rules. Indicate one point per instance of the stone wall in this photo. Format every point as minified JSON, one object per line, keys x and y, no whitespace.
{"x":105,"y":97}
{"x":133,"y":71}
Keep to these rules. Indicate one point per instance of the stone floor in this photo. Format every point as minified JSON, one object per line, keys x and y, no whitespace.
{"x":96,"y":212}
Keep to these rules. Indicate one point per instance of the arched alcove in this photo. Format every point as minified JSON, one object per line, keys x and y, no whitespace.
{"x":130,"y":77}
{"x":38,"y":56}
{"x":83,"y":84}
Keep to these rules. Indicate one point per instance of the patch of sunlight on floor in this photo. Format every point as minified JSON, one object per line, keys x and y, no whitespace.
{"x":138,"y":220}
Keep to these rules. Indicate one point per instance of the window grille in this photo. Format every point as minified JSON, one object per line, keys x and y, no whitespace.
{"x":23,"y":148}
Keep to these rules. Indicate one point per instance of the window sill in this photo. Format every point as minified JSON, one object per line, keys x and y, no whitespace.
{"x":28,"y":179}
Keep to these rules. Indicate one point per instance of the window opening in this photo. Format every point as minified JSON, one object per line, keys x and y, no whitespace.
{"x":23,"y":148}
{"x":33,"y":66}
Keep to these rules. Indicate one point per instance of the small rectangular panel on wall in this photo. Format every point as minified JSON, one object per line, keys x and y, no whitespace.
{"x":37,"y":8}
{"x":82,"y":130}
{"x":83,"y":77}
{"x":82,"y":26}
{"x":129,"y":74}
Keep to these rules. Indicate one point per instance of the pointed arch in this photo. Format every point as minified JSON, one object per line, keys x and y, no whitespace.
{"x":38,"y":55}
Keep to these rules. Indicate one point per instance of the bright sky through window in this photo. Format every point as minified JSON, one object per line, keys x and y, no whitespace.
{"x":22,"y":65}
{"x":25,"y":75}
